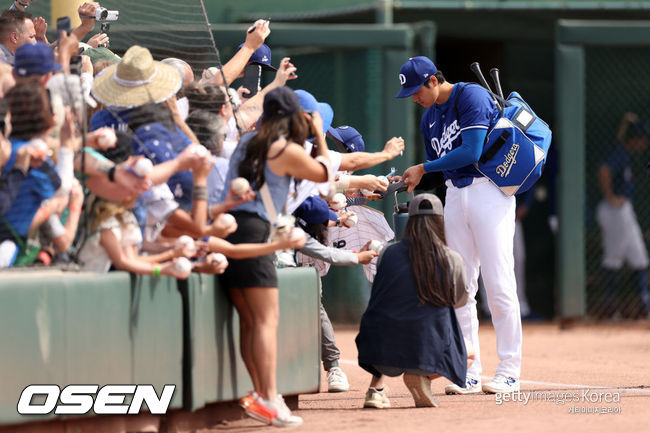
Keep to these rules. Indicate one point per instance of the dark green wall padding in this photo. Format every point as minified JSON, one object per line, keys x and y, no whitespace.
{"x":116,"y":328}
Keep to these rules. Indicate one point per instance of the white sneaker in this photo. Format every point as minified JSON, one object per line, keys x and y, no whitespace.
{"x":284,"y":418}
{"x":472,"y":386}
{"x":501,"y":384}
{"x":376,"y":399}
{"x":337,"y":381}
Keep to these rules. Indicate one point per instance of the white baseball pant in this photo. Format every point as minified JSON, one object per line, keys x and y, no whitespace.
{"x":622,"y":237}
{"x":520,"y":268}
{"x":480,"y":225}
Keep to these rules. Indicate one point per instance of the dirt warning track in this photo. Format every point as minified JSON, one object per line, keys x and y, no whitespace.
{"x":592,"y":378}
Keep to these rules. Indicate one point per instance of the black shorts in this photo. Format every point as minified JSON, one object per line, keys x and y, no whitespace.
{"x":253,"y":272}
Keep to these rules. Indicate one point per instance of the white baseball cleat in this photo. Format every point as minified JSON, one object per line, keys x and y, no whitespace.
{"x":501,"y":384}
{"x":472,"y":386}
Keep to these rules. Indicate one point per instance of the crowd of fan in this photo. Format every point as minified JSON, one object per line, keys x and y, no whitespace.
{"x":133,"y":164}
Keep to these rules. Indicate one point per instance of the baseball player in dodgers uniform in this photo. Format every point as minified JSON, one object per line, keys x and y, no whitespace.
{"x":479,"y":218}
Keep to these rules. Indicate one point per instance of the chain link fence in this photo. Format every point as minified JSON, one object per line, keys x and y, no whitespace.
{"x":617,"y":116}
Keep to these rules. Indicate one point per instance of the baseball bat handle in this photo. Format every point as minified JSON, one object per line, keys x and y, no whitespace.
{"x":477,"y":71}
{"x":494,"y":73}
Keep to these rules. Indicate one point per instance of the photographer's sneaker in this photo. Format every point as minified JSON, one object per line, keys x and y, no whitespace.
{"x":377,"y":399}
{"x":501,"y":384}
{"x":420,"y":389}
{"x":337,"y":381}
{"x":472,"y":386}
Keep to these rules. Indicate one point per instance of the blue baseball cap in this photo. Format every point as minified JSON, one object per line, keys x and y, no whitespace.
{"x":261,"y":56}
{"x":309,"y":103}
{"x":348,"y":137}
{"x":413,"y":74}
{"x":35,"y":59}
{"x":314,"y":210}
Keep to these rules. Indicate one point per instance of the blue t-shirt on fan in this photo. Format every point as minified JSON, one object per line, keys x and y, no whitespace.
{"x":441,"y":128}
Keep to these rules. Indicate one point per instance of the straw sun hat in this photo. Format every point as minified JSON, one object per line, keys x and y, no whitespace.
{"x":137,"y":80}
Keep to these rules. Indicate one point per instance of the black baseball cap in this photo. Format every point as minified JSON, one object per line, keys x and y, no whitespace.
{"x":281,"y":102}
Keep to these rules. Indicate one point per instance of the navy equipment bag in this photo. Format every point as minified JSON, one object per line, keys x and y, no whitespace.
{"x":516,"y":146}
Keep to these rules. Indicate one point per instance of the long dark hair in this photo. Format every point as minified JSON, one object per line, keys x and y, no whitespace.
{"x":316,"y":231}
{"x":429,"y":259}
{"x":293,"y":127}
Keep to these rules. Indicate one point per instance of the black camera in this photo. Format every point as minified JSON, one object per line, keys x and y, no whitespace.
{"x":75,"y":65}
{"x":104,"y":28}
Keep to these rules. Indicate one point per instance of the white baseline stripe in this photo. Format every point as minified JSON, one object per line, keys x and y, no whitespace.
{"x":553,"y":384}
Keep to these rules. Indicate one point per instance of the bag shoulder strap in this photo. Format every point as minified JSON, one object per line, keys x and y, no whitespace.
{"x":19,"y":240}
{"x":504,"y":102}
{"x":460,"y":92}
{"x":267,"y":201}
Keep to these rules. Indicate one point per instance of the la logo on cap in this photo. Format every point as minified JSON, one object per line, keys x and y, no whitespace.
{"x":402,"y":79}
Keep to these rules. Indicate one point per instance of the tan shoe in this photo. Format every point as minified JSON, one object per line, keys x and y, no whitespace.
{"x":376,"y":399}
{"x":420,"y":388}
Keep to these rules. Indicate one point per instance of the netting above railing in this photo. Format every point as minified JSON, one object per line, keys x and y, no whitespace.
{"x":617,"y":229}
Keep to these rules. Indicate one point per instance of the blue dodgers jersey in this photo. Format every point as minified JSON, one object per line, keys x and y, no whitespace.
{"x":618,"y":161}
{"x":441,"y":128}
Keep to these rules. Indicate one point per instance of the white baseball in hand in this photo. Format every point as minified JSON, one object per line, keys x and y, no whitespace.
{"x":367,"y":192}
{"x":239,"y":186}
{"x":376,"y":246}
{"x":143,"y":167}
{"x":338,"y":201}
{"x":210,"y":73}
{"x":40,"y":146}
{"x":106,"y":138}
{"x":215,"y":258}
{"x":187,"y":243}
{"x":199,"y":150}
{"x":226,"y":220}
{"x":351,"y":221}
{"x":297,"y":234}
{"x":183,"y":265}
{"x":383,"y":180}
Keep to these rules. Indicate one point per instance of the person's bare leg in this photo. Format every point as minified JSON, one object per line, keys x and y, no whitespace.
{"x":245,"y":334}
{"x":263,"y":305}
{"x":377,"y":382}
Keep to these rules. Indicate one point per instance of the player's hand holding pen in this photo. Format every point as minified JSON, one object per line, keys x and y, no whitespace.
{"x":412,"y":176}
